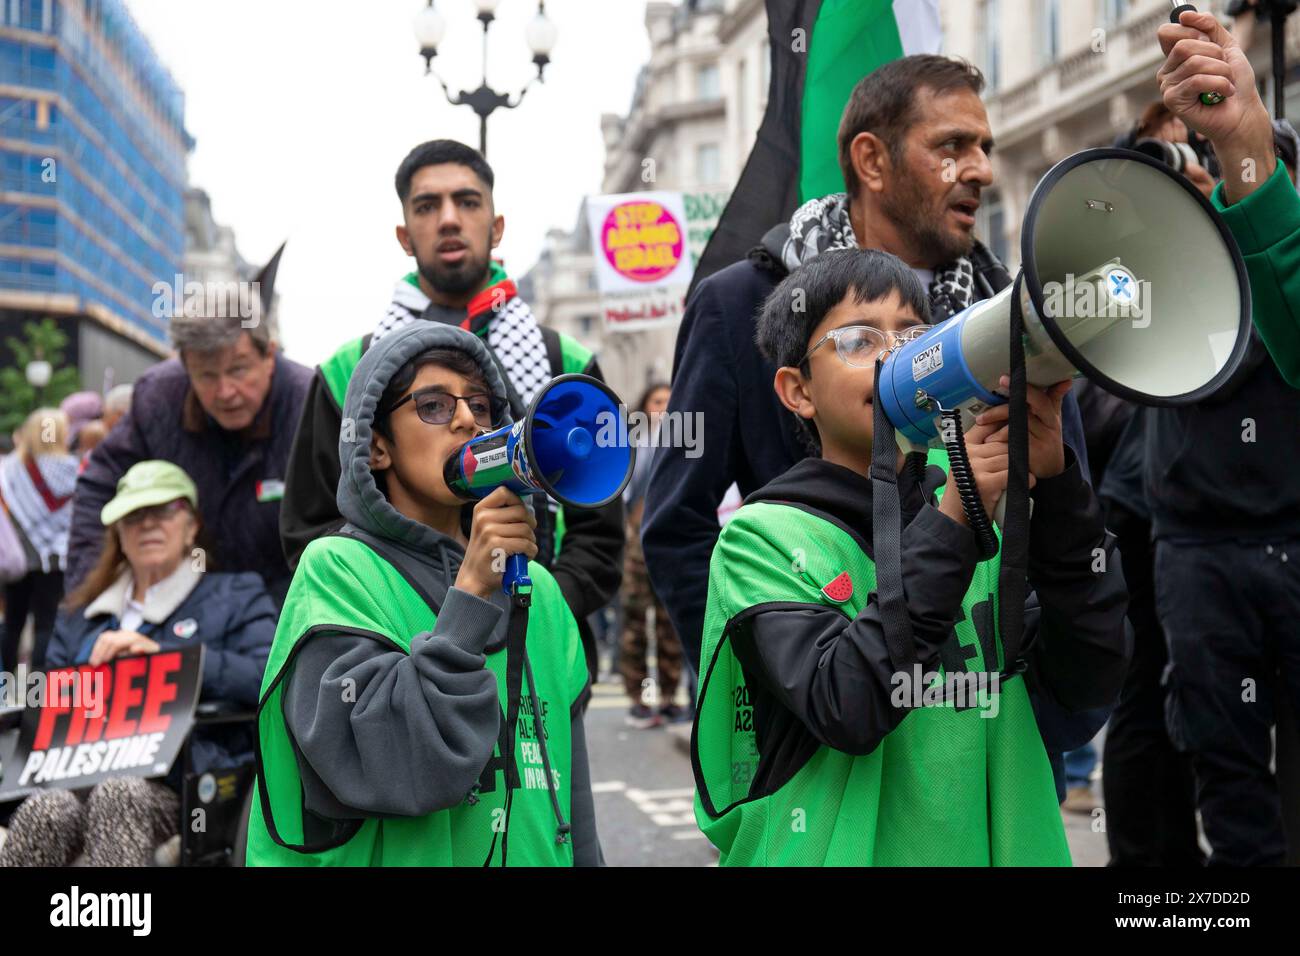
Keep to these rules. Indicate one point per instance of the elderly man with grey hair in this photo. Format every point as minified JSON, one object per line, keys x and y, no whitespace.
{"x":117,"y":402}
{"x":225,"y":410}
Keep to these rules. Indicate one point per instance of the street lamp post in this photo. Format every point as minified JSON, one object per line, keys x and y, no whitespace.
{"x":430,"y":27}
{"x":1276,"y":13}
{"x":38,"y":373}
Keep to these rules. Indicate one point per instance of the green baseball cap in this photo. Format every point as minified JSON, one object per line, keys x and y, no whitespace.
{"x":148,"y":483}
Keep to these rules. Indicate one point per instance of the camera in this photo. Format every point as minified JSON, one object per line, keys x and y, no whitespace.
{"x":1176,"y":155}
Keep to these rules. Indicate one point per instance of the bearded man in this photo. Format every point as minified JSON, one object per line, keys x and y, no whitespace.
{"x":450,"y":227}
{"x":914,"y":146}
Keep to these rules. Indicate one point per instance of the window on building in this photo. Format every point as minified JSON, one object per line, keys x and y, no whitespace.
{"x":1049,"y":31}
{"x":1113,"y":11}
{"x":992,"y":225}
{"x":708,"y":82}
{"x":708,"y":164}
{"x":989,"y":43}
{"x":742,"y":100}
{"x":586,"y":323}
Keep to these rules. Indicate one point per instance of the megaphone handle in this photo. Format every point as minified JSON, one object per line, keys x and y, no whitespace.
{"x":516,"y":574}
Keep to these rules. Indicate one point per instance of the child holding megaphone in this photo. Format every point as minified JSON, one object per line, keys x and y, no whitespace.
{"x":382,"y":719}
{"x":827,"y":733}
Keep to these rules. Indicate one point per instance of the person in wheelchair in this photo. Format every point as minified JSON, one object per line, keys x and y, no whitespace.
{"x":148,"y":592}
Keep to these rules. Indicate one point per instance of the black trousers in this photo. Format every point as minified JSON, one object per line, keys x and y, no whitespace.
{"x":1230,"y":613}
{"x":1147,"y":785}
{"x":37,"y":594}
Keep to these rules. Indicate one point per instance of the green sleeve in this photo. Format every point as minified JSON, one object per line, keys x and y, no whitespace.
{"x":575,"y":357}
{"x":337,"y":369}
{"x":1266,"y":225}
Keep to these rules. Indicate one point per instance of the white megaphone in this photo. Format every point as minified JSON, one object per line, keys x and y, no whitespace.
{"x":1129,"y":277}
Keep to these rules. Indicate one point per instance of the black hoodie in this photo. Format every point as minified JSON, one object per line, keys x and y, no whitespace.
{"x":818,"y":677}
{"x":750,"y":437}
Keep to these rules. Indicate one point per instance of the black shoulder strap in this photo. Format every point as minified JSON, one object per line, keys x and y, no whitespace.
{"x":394,"y":557}
{"x":887,"y":532}
{"x":1012,"y":584}
{"x":554,"y":350}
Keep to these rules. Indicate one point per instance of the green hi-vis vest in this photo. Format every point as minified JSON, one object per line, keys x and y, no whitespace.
{"x":342,"y":585}
{"x":948,"y":787}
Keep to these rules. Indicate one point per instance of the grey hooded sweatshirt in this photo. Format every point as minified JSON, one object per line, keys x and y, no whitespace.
{"x":414,"y":731}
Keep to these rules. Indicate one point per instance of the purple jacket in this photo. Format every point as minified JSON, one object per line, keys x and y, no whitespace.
{"x":239,"y":476}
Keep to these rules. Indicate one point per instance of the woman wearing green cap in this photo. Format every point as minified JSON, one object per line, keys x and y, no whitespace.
{"x":149,"y":591}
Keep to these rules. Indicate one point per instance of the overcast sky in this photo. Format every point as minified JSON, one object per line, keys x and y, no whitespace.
{"x":302,"y":112}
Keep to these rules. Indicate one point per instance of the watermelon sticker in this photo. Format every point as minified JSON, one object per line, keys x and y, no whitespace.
{"x":839,"y":590}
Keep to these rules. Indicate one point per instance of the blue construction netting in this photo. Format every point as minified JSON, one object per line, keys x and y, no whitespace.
{"x":119,"y":221}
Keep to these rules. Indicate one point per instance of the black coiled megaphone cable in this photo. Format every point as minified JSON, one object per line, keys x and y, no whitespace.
{"x":962,"y":476}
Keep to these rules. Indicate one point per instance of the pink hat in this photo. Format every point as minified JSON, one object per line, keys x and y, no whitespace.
{"x":81,"y":408}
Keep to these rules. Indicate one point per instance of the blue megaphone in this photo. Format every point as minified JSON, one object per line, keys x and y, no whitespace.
{"x":571,"y":445}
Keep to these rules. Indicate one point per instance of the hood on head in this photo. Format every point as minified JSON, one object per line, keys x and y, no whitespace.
{"x":359,"y":499}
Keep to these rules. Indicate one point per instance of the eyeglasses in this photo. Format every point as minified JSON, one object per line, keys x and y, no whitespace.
{"x":859,"y":345}
{"x":157,"y":513}
{"x":436,"y":406}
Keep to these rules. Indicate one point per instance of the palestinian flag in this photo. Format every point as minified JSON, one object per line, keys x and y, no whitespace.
{"x":820,"y":49}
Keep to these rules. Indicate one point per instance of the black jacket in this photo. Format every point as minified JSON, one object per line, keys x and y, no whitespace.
{"x":237,"y":475}
{"x":588,"y":568}
{"x":1225,"y":467}
{"x":817,"y":677}
{"x":749,"y":436}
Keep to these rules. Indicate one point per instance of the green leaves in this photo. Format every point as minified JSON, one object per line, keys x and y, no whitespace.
{"x":40,"y":340}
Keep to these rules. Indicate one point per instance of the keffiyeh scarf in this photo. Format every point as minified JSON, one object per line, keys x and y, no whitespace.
{"x":822,"y":224}
{"x":506,"y":321}
{"x":38,"y":493}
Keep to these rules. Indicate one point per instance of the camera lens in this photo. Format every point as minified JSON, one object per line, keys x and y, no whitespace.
{"x":1167,"y":153}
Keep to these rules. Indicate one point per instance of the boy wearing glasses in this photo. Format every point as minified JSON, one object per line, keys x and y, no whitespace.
{"x":381,"y":721}
{"x":813,"y":745}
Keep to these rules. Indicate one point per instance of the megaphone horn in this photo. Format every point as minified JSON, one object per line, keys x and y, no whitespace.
{"x":1129,"y":277}
{"x":555,"y":449}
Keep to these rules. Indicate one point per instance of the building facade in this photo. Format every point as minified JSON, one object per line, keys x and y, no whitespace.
{"x":93,"y":153}
{"x":212,"y":256}
{"x":692,"y":121}
{"x":1067,"y":76}
{"x":1062,"y":77}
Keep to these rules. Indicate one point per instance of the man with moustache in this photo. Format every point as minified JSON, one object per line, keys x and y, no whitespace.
{"x":914,"y":145}
{"x":450,"y":227}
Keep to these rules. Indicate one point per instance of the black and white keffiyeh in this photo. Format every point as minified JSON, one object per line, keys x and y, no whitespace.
{"x":44,"y":523}
{"x":822,"y":224}
{"x":512,"y":333}
{"x":408,"y":304}
{"x":516,"y":339}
